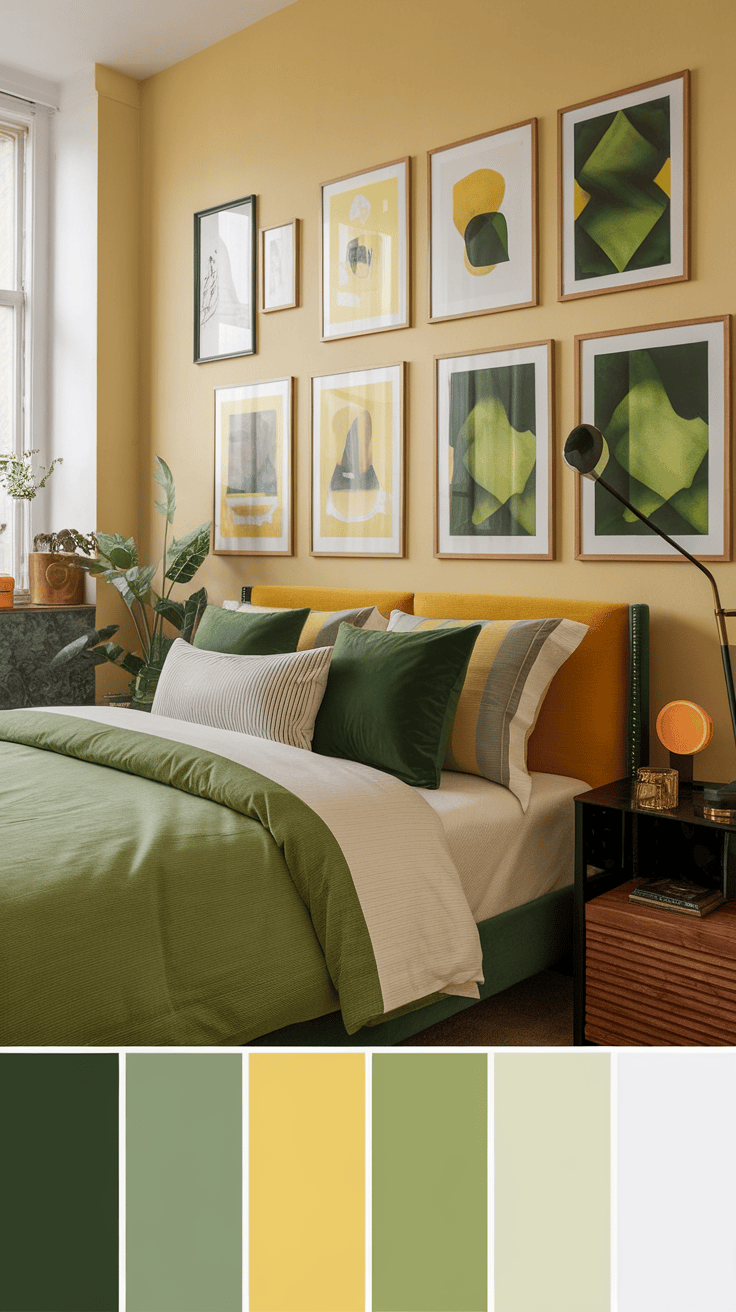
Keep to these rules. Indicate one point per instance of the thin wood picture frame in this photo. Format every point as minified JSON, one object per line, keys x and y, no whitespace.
{"x":624,"y":189}
{"x":482,"y":221}
{"x":358,"y":440}
{"x":254,"y":469}
{"x":279,"y":248}
{"x":666,"y":385}
{"x":494,"y":453}
{"x":365,"y":251}
{"x":225,"y":281}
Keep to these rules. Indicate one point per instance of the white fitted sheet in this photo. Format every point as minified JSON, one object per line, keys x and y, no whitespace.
{"x":506,"y":857}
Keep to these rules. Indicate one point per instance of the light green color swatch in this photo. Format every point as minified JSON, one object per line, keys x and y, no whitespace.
{"x":184,"y":1182}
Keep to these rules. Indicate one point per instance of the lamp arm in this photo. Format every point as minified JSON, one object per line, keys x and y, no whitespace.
{"x":719,"y":611}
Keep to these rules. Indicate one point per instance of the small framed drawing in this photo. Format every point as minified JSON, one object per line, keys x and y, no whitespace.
{"x":225,"y":281}
{"x":280,"y":267}
{"x":494,"y":472}
{"x":358,"y":463}
{"x":254,"y":512}
{"x":661,"y":398}
{"x":365,"y":251}
{"x":624,"y":189}
{"x":482,"y":198}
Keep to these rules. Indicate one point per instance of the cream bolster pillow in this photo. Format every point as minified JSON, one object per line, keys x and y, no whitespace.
{"x":511,"y":667}
{"x":320,"y":629}
{"x":275,"y":697}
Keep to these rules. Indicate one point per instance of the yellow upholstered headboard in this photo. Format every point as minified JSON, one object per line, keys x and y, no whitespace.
{"x":593,"y":724}
{"x":583,"y":726}
{"x":330,"y":598}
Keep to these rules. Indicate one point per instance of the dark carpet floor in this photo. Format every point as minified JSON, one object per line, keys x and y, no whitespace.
{"x":535,"y":1013}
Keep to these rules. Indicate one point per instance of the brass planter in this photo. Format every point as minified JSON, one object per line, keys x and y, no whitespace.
{"x":55,"y":578}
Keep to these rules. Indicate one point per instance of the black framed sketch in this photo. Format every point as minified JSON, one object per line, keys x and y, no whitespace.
{"x":225,"y":281}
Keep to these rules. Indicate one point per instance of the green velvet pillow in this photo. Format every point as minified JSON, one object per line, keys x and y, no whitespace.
{"x":247,"y":634}
{"x":391,"y":699}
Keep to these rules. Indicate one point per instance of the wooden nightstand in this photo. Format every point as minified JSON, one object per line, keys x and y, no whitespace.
{"x":642,"y":975}
{"x":656,"y":977}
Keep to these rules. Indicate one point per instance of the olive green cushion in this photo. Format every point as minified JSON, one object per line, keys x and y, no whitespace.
{"x":246,"y":634}
{"x":391,"y":699}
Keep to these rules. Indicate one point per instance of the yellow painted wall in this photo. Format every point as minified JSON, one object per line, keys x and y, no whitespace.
{"x":328,"y":87}
{"x":118,"y":316}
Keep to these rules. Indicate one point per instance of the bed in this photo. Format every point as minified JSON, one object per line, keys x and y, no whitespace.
{"x":96,"y":957}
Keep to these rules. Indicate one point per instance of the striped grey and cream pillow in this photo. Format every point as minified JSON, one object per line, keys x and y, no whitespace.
{"x":320,"y":628}
{"x":511,"y":667}
{"x":275,"y":697}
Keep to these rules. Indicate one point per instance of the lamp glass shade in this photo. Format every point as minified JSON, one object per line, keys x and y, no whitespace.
{"x":586,"y":450}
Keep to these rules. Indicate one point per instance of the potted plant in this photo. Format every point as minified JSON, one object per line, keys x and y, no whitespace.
{"x":118,"y":562}
{"x":18,"y":478}
{"x":55,"y":572}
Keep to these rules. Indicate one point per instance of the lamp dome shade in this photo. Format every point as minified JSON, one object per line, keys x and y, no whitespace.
{"x":684,"y":727}
{"x":584,"y":448}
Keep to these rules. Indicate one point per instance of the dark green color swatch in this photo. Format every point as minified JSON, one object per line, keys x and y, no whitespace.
{"x":184,"y":1182}
{"x":59,"y":1172}
{"x":430,"y":1183}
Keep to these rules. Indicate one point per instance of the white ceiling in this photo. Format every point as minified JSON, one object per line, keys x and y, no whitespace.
{"x":54,"y":39}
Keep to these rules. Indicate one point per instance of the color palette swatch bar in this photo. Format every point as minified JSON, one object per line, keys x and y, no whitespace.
{"x":184,"y":1182}
{"x":307,"y":1182}
{"x":58,"y":1182}
{"x":552,"y":1182}
{"x":429,"y":1182}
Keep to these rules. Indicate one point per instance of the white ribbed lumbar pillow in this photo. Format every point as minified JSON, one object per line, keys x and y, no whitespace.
{"x":274,"y":697}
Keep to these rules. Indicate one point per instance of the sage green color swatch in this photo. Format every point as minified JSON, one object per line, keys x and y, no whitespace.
{"x":184,"y":1182}
{"x":430,"y":1182}
{"x":59,"y":1197}
{"x":553,"y":1182}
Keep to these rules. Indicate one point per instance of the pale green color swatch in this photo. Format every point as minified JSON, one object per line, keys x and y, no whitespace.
{"x":184,"y":1182}
{"x":553,"y":1182}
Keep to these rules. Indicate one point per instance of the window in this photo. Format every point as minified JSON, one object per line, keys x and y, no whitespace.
{"x":23,"y":143}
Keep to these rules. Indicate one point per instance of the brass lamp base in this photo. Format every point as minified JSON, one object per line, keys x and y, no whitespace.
{"x":719,"y":803}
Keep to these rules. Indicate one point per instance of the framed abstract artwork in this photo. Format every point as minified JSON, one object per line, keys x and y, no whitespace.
{"x":661,"y":398}
{"x":358,"y":463}
{"x":280,"y":267}
{"x":254,"y":511}
{"x":624,"y":189}
{"x":225,"y":281}
{"x":365,"y":251}
{"x":494,"y":472}
{"x":482,"y":198}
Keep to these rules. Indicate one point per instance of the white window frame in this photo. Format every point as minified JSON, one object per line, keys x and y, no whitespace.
{"x":30,"y":121}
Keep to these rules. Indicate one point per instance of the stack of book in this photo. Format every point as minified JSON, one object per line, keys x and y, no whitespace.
{"x":677,"y":895}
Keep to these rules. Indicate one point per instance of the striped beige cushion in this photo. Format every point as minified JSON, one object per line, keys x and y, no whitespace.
{"x":321,"y":626}
{"x":511,"y":667}
{"x":274,"y":697}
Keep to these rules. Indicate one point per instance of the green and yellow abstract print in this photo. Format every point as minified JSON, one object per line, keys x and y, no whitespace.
{"x":493,"y":452}
{"x":622,"y":190}
{"x":652,"y":408}
{"x":476,"y":201}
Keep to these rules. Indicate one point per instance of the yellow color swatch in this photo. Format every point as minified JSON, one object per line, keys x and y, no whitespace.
{"x":307,"y":1182}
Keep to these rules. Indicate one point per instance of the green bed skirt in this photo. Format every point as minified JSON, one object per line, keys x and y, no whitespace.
{"x":516,"y":945}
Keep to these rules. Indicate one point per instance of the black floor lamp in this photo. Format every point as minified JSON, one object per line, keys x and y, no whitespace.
{"x":585,"y":452}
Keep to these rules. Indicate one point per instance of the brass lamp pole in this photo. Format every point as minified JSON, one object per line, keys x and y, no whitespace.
{"x":584,"y":452}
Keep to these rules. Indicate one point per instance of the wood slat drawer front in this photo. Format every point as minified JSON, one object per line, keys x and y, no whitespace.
{"x":661,"y":972}
{"x":672,"y":1014}
{"x":658,"y":978}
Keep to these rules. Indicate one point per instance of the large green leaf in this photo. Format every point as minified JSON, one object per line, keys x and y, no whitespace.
{"x":193,"y":609}
{"x":165,"y":479}
{"x":139,"y":580}
{"x":91,"y":638}
{"x":185,"y":556}
{"x":120,"y":552}
{"x":173,"y":611}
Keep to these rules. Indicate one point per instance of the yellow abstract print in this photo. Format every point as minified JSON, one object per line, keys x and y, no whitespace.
{"x":364,"y":252}
{"x":356,"y":461}
{"x":251,"y":467}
